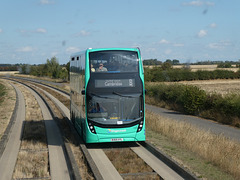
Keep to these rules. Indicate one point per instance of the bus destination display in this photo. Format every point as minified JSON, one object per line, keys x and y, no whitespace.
{"x":106,"y":83}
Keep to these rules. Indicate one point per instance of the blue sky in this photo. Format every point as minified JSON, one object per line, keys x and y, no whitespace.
{"x":32,"y":31}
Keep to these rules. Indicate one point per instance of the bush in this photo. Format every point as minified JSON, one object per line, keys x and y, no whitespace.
{"x":193,"y":99}
{"x":190,"y":98}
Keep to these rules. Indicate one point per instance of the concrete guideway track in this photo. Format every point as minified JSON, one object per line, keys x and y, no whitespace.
{"x":9,"y":156}
{"x":58,"y":164}
{"x":106,"y":168}
{"x":57,"y":160}
{"x":157,"y":165}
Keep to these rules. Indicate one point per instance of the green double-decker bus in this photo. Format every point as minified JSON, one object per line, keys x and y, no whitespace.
{"x":108,"y":95}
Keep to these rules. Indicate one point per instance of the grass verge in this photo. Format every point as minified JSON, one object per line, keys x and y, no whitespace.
{"x":206,"y":150}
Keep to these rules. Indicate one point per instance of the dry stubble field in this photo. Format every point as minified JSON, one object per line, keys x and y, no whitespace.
{"x":220,"y":86}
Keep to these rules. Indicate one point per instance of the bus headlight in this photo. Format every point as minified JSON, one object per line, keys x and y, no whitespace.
{"x":91,"y":127}
{"x":140,"y":126}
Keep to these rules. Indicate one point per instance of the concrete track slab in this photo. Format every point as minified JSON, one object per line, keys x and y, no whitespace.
{"x":58,"y":164}
{"x":157,"y":165}
{"x":9,"y":156}
{"x":104,"y":165}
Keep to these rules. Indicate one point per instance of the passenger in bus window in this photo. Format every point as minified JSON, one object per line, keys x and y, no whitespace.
{"x":101,"y":68}
{"x":92,"y":68}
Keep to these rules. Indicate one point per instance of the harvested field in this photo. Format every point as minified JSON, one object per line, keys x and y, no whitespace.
{"x":5,"y":73}
{"x":225,"y":86}
{"x":206,"y":67}
{"x":220,"y":86}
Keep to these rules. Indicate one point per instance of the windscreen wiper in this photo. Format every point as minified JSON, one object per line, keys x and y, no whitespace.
{"x":122,"y":95}
{"x":132,"y":119}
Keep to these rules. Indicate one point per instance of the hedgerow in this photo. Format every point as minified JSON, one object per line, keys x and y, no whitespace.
{"x":193,"y":100}
{"x":157,"y":74}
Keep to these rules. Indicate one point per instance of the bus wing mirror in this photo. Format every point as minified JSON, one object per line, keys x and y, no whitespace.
{"x":83,"y":92}
{"x":145,"y":91}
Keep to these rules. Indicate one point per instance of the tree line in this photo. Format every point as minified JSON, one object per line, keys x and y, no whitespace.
{"x":9,"y":67}
{"x":221,"y":64}
{"x":50,"y":69}
{"x":157,"y":62}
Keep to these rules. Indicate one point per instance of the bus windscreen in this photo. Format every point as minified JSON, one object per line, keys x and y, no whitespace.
{"x":113,"y":61}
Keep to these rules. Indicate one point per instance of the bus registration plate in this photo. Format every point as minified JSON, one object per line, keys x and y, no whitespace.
{"x":116,"y":139}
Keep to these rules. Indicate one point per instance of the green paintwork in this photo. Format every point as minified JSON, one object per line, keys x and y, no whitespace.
{"x":109,"y":134}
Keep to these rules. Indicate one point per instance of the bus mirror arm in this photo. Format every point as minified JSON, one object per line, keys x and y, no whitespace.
{"x":83,"y":92}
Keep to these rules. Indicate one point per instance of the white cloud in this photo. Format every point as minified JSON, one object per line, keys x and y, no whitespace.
{"x":178,"y":45}
{"x":25,"y":49}
{"x":44,"y":2}
{"x":163,"y":41}
{"x":198,"y":3}
{"x":83,"y":33}
{"x":209,"y":3}
{"x":213,"y":25}
{"x":54,"y":54}
{"x":72,"y":49}
{"x":202,"y":33}
{"x":29,"y":32}
{"x":168,"y":51}
{"x":150,"y":49}
{"x":41,"y":30}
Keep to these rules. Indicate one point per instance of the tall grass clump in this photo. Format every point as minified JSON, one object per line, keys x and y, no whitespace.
{"x":193,"y":100}
{"x":2,"y":92}
{"x":217,"y":149}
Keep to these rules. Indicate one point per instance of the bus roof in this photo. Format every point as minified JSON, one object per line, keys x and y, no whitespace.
{"x":104,"y":49}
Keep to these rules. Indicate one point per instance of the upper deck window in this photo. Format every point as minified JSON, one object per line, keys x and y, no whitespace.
{"x":113,"y":61}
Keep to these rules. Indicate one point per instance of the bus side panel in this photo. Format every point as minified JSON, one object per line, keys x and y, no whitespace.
{"x":141,"y":136}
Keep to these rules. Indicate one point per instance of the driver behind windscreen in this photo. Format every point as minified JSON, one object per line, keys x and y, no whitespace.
{"x":97,"y":109}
